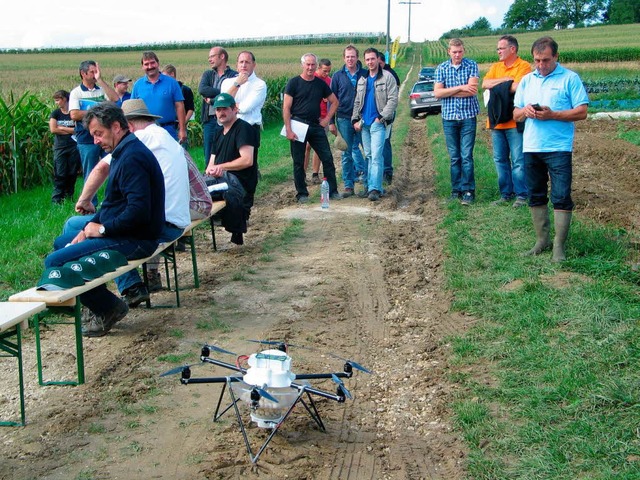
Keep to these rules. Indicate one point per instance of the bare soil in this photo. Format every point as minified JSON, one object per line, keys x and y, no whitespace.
{"x":364,"y":282}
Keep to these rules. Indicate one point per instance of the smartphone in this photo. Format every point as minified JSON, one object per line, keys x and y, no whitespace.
{"x":536,"y":107}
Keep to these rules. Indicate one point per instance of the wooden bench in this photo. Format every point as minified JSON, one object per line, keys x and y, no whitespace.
{"x":67,"y":301}
{"x":14,"y":318}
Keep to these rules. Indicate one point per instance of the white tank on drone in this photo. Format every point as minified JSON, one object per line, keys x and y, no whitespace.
{"x":271,"y":368}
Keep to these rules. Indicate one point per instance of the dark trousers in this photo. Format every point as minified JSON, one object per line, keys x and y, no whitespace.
{"x":317,"y":138}
{"x":66,"y":165}
{"x":540,"y":167}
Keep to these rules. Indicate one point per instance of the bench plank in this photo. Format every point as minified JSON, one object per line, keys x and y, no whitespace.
{"x":12,"y":314}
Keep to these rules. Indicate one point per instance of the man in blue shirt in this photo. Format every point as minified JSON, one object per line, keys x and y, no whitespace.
{"x":549,"y":100}
{"x":131,"y":217}
{"x":162,"y":95}
{"x":343,"y":85}
{"x":456,"y":83}
{"x":374,"y":109}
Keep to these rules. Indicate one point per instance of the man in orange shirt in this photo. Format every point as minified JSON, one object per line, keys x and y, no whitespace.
{"x":501,"y":80}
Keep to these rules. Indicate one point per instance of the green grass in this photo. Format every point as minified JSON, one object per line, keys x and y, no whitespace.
{"x":559,"y":345}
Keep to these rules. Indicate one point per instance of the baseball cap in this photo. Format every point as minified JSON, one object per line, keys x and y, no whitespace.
{"x":224,"y":100}
{"x":103,"y":264}
{"x":121,"y":79}
{"x":59,"y":278}
{"x":88,"y":271}
{"x":114,"y":256}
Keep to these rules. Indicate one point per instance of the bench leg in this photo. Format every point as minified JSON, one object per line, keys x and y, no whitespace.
{"x":14,"y":349}
{"x":213,"y":234}
{"x":79,"y":349}
{"x":194,"y":262}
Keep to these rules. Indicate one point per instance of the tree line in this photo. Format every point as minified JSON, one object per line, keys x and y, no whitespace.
{"x":549,"y":14}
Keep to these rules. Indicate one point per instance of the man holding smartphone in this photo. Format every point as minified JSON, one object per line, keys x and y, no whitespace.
{"x":549,"y":100}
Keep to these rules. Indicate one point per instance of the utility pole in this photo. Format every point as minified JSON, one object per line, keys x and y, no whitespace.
{"x":409,"y":28}
{"x":388,"y":53}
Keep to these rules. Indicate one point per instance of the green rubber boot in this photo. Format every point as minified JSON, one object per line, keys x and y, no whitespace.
{"x":540,"y":217}
{"x":562,"y":222}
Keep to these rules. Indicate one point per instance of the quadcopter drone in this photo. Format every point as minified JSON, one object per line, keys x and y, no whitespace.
{"x":268,"y":387}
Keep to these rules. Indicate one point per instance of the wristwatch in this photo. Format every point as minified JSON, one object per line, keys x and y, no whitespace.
{"x":102,"y":230}
{"x":236,"y":84}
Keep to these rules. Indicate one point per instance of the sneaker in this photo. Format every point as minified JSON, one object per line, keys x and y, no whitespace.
{"x":335,"y":196}
{"x":467,"y":199}
{"x":135,"y":295}
{"x":374,"y":195}
{"x":455,"y":196}
{"x":101,"y":324}
{"x":154,"y":281}
{"x":303,"y":199}
{"x":86,"y":317}
{"x":315,"y":179}
{"x":501,"y":201}
{"x":348,"y":192}
{"x":520,"y":202}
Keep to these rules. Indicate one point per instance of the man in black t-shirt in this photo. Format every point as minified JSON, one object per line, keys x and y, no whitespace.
{"x":233,"y":148}
{"x":302,"y":97}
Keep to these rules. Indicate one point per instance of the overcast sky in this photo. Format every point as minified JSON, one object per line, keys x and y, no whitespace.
{"x":47,"y":23}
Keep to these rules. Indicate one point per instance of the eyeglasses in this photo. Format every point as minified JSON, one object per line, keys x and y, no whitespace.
{"x":499,"y":49}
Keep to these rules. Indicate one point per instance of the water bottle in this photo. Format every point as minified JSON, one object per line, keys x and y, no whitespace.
{"x":324,"y":194}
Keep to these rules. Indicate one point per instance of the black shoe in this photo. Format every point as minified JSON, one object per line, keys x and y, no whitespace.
{"x":154,"y":281}
{"x":181,"y":245}
{"x":374,"y":195}
{"x":99,"y":325}
{"x":315,"y":179}
{"x":237,"y":238}
{"x":303,"y":199}
{"x":135,"y":295}
{"x":335,"y":196}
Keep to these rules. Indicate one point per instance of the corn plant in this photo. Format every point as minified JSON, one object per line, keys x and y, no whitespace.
{"x":25,"y":143}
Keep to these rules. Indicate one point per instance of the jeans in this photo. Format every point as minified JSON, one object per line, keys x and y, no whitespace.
{"x":509,"y":160}
{"x":99,"y":300}
{"x":89,"y":158}
{"x":373,"y":137}
{"x":317,"y":138}
{"x":460,"y":136}
{"x":208,"y":130}
{"x":346,"y":130}
{"x":74,"y":224}
{"x":388,"y":153}
{"x":540,"y":167}
{"x":358,"y":160}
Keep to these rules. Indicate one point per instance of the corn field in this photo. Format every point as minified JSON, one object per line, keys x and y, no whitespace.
{"x":25,"y":143}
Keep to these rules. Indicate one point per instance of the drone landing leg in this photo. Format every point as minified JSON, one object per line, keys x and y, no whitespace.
{"x":216,"y":417}
{"x":314,"y":414}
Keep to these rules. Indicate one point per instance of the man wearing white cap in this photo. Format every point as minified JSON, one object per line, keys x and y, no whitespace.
{"x":121,"y":86}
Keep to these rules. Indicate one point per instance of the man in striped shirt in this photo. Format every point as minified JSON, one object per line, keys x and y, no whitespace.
{"x":456,"y":83}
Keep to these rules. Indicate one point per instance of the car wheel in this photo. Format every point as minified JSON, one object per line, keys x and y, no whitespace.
{"x":413,"y":114}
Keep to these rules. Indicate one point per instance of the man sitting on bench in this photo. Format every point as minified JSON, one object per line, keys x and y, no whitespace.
{"x":130,"y":219}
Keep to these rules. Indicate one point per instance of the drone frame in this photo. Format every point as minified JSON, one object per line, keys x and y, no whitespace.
{"x":341,"y":394}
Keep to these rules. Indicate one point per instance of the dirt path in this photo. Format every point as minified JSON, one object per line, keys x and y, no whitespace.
{"x":363,"y":281}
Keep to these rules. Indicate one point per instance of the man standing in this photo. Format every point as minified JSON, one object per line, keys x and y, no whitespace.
{"x":456,"y":83}
{"x":323,"y":71}
{"x":250,"y":93}
{"x":501,"y":80}
{"x":209,"y":88}
{"x":131,"y":217}
{"x":121,"y":86}
{"x":374,"y":109}
{"x":343,"y":85}
{"x":549,"y":100}
{"x":91,"y":91}
{"x":162,"y":95}
{"x":388,"y":151}
{"x":302,"y":97}
{"x":187,"y":93}
{"x":233,"y":151}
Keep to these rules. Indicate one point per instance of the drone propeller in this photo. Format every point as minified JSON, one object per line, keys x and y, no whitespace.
{"x":263,"y":393}
{"x":341,"y":386}
{"x":216,"y":349}
{"x":355,"y":365}
{"x":274,"y":342}
{"x":181,"y":369}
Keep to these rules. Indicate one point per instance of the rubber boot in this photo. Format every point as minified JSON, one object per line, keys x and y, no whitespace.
{"x":562,"y":222}
{"x":540,"y":217}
